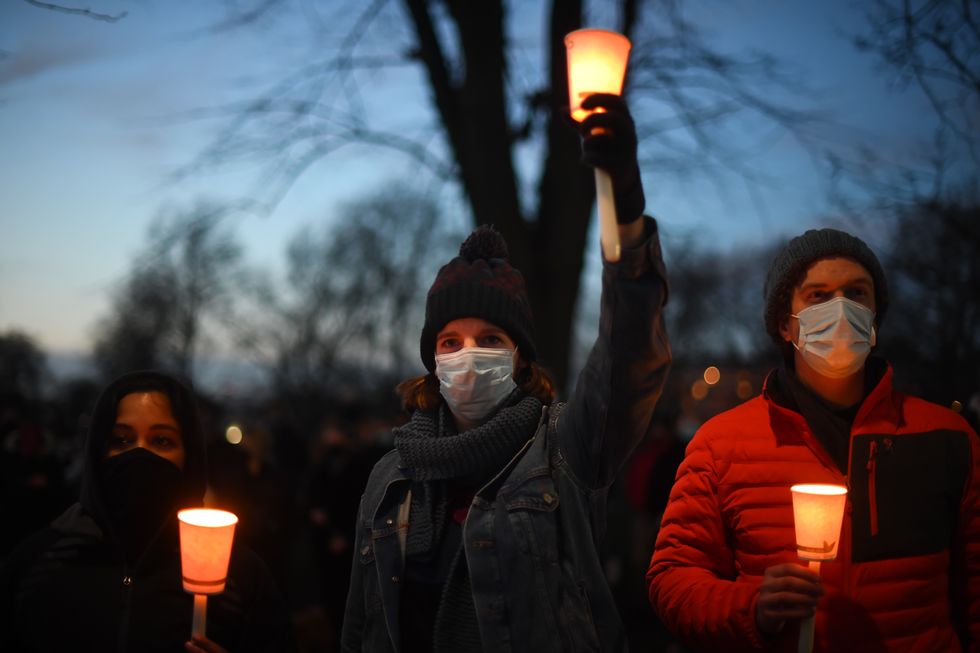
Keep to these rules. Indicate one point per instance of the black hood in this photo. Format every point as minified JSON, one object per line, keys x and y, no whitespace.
{"x":184,"y":405}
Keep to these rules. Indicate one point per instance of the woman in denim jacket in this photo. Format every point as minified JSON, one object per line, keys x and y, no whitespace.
{"x":480,"y":530}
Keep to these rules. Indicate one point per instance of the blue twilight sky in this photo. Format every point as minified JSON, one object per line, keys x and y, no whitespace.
{"x":94,"y":115}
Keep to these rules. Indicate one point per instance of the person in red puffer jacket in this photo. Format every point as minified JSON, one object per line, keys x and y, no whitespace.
{"x":725,"y":575}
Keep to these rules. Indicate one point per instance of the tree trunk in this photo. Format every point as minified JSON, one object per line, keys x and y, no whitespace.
{"x":549,"y":249}
{"x":566,"y":192}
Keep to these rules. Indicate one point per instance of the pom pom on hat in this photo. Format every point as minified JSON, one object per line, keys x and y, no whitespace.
{"x":484,"y":242}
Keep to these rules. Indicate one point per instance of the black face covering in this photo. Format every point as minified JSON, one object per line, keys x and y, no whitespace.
{"x":141,"y":491}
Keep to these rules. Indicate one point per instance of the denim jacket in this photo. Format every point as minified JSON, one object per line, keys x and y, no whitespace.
{"x":532,"y":533}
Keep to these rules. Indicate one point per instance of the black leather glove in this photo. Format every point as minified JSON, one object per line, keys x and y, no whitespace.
{"x":609,"y":143}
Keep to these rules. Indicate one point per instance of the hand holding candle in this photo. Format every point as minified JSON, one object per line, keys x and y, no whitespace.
{"x":597,"y":65}
{"x":788,"y":592}
{"x":609,"y":145}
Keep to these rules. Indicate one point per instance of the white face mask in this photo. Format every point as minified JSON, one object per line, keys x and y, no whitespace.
{"x":836,"y":336}
{"x":474,"y":381}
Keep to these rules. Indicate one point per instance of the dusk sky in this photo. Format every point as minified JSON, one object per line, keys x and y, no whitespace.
{"x":94,"y":116}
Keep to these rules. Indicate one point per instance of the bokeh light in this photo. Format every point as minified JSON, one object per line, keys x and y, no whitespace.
{"x":744,"y":389}
{"x":712,"y":375}
{"x":699,"y":390}
{"x":233,"y":434}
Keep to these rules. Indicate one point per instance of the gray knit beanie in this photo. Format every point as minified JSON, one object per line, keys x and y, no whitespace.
{"x":789,"y":268}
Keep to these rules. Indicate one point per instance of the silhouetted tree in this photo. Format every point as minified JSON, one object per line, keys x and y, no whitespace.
{"x":348,"y":315}
{"x":500,"y":128}
{"x":77,"y":11}
{"x":928,"y":207}
{"x":715,"y":311}
{"x":23,"y":365}
{"x":385,"y":252}
{"x":135,"y":334}
{"x":933,"y":47}
{"x":931,"y":331}
{"x":182,"y":278}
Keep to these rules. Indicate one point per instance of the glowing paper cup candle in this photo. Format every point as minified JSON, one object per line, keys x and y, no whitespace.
{"x":597,"y":64}
{"x":818,"y":511}
{"x":205,"y":550}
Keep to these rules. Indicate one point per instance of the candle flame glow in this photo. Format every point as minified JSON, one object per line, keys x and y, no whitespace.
{"x":819,"y":488}
{"x":207,"y":517}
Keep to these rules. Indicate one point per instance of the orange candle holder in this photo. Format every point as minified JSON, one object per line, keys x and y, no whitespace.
{"x":818,"y":511}
{"x":206,"y":537}
{"x":596,"y":64}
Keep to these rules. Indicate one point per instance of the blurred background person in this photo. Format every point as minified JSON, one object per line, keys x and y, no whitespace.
{"x":32,"y":477}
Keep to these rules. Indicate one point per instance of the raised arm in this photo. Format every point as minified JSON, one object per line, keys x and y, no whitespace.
{"x":612,"y":405}
{"x":611,"y":409}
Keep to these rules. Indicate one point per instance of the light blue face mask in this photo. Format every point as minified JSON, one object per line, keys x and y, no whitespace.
{"x":836,"y":336}
{"x":474,"y":381}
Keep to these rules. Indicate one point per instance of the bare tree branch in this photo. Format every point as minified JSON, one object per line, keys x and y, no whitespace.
{"x":236,"y":20}
{"x":936,"y":44}
{"x":464,"y":54}
{"x":87,"y":13}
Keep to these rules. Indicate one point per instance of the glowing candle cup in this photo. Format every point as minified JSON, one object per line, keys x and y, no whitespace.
{"x":597,"y":64}
{"x":818,"y":511}
{"x":205,"y":549}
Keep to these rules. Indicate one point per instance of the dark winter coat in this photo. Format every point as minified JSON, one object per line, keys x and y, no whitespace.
{"x":532,"y":533}
{"x":69,"y":588}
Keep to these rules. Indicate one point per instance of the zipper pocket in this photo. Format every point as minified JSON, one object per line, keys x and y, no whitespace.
{"x":872,"y":490}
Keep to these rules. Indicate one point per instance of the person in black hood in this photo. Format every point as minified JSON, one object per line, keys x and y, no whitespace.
{"x":105,"y":575}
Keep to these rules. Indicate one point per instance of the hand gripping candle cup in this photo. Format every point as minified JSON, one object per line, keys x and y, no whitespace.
{"x":205,"y":549}
{"x":597,"y":64}
{"x":818,"y":511}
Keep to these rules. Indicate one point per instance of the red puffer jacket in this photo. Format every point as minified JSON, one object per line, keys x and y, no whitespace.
{"x":907,"y":574}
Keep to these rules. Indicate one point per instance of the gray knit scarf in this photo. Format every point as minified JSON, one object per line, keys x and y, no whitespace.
{"x":432,"y":451}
